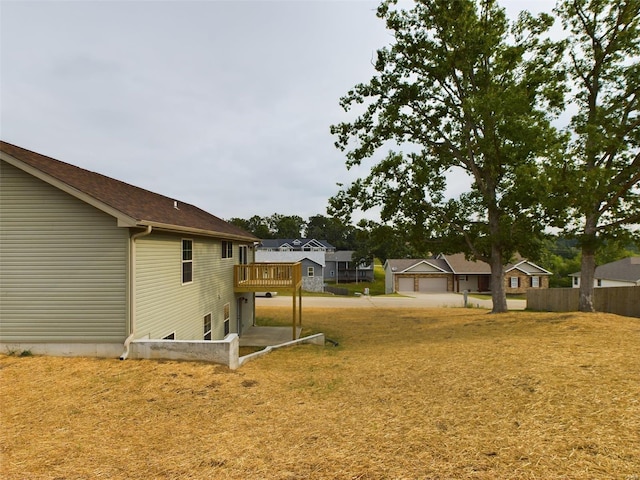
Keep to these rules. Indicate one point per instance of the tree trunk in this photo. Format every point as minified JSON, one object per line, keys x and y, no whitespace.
{"x":498,"y":293}
{"x":588,"y":266}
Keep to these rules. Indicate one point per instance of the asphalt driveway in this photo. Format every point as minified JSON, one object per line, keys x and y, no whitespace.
{"x":409,"y":300}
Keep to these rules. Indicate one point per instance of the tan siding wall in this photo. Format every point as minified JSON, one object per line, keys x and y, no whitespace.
{"x":63,"y":265}
{"x":165,"y":305}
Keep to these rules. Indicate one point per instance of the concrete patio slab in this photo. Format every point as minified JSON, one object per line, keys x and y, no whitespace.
{"x":267,"y":336}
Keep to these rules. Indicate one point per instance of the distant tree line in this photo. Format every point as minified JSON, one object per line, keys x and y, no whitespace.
{"x":368,"y":239}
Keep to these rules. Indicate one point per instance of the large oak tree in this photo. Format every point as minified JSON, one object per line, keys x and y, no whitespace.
{"x":600,"y":176}
{"x":463,"y":89}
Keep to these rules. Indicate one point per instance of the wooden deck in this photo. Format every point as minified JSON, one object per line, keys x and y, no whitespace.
{"x":271,"y":277}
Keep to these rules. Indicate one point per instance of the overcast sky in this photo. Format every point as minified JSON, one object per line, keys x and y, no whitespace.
{"x":222,"y":104}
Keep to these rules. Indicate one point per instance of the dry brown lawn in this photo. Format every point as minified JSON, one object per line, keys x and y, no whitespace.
{"x":408,"y":394}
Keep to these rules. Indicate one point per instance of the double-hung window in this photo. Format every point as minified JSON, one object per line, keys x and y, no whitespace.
{"x":515,"y":282}
{"x":187,"y":261}
{"x":227,"y":249}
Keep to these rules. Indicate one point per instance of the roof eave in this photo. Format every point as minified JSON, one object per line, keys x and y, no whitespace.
{"x":195,"y":231}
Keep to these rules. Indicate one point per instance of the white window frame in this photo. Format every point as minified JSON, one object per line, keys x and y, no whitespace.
{"x":226,"y":314}
{"x":184,"y":261}
{"x":535,"y":281}
{"x":311,"y":271}
{"x":204,"y":325}
{"x":227,"y":249}
{"x":514,"y":280}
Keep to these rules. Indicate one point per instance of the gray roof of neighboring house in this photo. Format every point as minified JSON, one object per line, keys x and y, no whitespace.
{"x":459,"y":265}
{"x":294,"y":243}
{"x":625,"y":270}
{"x":263,"y":256}
{"x":139,"y":206}
{"x":403,"y":264}
{"x":339,"y":256}
{"x":346,"y":256}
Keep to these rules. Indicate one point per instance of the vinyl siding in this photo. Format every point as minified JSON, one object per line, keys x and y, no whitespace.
{"x":63,"y":275}
{"x":164,"y":305}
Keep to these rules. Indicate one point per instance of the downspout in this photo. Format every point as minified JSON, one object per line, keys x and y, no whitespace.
{"x":132,"y":291}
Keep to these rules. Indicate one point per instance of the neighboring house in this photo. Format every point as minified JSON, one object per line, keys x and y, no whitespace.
{"x":339,"y":267}
{"x":454,"y":273}
{"x":312,"y":265}
{"x":295,"y":245}
{"x":622,"y":273}
{"x":90,"y":264}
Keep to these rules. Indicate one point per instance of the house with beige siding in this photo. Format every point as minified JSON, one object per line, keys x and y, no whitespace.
{"x":91,"y":265}
{"x":455,"y":273}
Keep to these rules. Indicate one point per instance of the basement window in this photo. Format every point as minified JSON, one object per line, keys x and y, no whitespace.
{"x":227,"y":317}
{"x":207,"y":327}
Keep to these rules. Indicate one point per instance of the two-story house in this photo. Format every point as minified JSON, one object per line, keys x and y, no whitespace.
{"x":91,"y":264}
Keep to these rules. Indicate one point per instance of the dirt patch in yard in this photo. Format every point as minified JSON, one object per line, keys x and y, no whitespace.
{"x":407,"y":394}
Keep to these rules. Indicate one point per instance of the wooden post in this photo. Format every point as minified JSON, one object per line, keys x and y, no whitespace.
{"x":300,"y":307}
{"x":294,"y":315}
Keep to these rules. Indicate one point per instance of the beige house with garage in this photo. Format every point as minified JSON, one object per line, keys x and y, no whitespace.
{"x":455,"y":273}
{"x":91,"y":265}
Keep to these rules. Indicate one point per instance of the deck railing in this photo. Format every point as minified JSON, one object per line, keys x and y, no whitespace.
{"x":267,"y":276}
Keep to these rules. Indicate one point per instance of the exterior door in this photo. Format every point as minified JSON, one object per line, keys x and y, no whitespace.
{"x":484,"y":283}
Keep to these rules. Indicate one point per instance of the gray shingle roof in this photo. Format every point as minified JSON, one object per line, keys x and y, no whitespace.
{"x":142,"y":205}
{"x":459,"y":265}
{"x":625,"y":270}
{"x":297,"y":243}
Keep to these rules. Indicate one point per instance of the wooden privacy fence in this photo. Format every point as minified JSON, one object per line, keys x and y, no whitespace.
{"x":619,"y":300}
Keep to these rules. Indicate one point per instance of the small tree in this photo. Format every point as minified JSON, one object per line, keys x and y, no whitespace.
{"x":333,"y":230}
{"x":286,"y":226}
{"x":256,"y":225}
{"x":460,"y":88}
{"x":601,"y":175}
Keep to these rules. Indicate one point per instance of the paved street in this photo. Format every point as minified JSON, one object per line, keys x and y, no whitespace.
{"x":413,"y":300}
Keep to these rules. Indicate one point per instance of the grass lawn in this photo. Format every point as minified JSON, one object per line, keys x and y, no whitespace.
{"x":408,"y":394}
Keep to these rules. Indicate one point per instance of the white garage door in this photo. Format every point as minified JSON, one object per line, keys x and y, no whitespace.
{"x":405,"y":284}
{"x":431,"y":285}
